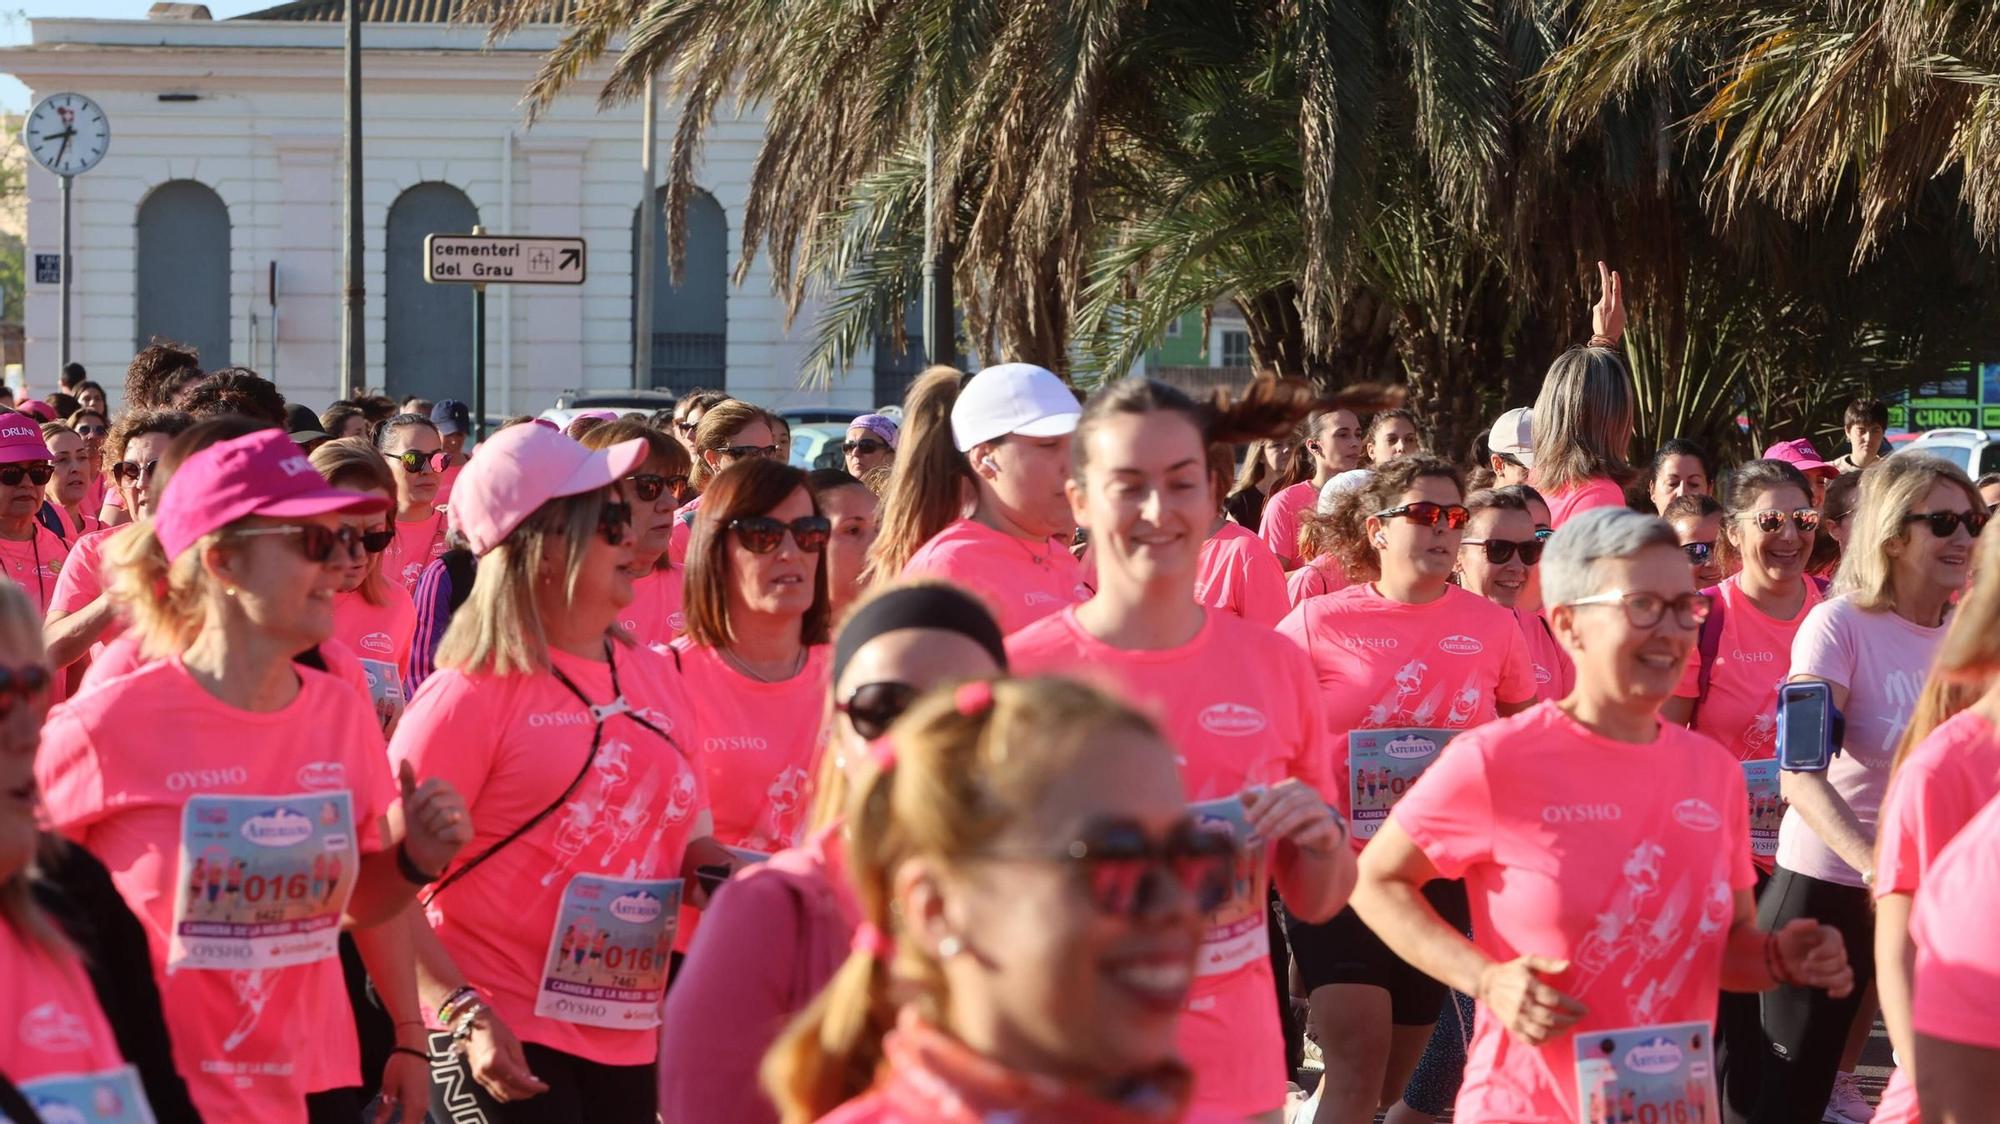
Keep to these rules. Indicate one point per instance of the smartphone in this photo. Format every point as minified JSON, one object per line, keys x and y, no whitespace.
{"x":712,"y":877}
{"x":1805,"y":727}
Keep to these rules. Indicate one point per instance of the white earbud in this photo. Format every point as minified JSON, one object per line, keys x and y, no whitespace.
{"x":1381,"y":541}
{"x":987,"y":464}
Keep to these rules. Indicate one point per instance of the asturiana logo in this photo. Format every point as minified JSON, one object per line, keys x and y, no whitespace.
{"x":1697,"y":815}
{"x":1233,"y":720}
{"x":279,"y":827}
{"x":379,"y":643}
{"x":1655,"y":1055}
{"x":322,"y":774}
{"x":1410,"y":747}
{"x":1459,"y":644}
{"x":636,"y":908}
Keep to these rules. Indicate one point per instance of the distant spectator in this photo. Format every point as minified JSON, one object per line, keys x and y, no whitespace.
{"x":378,"y":407}
{"x":871,"y":442}
{"x":1865,"y":421}
{"x":157,"y":372}
{"x":1680,"y":468}
{"x":1697,"y":522}
{"x":1510,"y":447}
{"x":90,"y":396}
{"x":1989,"y":490}
{"x":40,"y":411}
{"x":73,"y":376}
{"x":781,"y":432}
{"x":233,"y":390}
{"x":63,"y":404}
{"x":416,"y":405}
{"x":344,"y":419}
{"x":1801,"y":455}
{"x":1836,"y":509}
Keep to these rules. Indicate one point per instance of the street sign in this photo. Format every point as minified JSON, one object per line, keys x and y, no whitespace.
{"x":48,"y":269}
{"x":500,"y":259}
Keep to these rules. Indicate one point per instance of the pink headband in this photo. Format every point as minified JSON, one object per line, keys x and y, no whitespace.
{"x":973,"y":699}
{"x":873,"y":941}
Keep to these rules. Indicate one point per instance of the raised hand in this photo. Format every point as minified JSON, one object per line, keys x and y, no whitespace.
{"x":431,"y":819}
{"x":1607,"y":316}
{"x":1531,"y":1010}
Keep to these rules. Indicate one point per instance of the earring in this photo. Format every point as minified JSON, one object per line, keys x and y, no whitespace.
{"x":949,"y":947}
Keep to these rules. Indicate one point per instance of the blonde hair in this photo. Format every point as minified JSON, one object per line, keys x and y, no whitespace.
{"x":351,"y":462}
{"x":929,"y":481}
{"x":21,"y":629}
{"x":958,"y":781}
{"x":1889,"y":491}
{"x":1969,"y":657}
{"x":1583,"y":421}
{"x":719,"y":423}
{"x":498,"y":631}
{"x":165,"y":601}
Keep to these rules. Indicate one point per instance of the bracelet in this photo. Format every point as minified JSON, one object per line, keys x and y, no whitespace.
{"x":1602,"y":341}
{"x":413,"y":1052}
{"x":463,"y":1029}
{"x":411,"y":872}
{"x":448,"y":1010}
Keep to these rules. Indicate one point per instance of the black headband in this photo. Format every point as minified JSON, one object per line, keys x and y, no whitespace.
{"x":927,"y":606}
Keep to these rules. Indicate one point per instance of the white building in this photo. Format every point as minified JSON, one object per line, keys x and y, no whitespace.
{"x":225,"y":171}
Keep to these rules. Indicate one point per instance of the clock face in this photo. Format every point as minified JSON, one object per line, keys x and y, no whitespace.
{"x":67,"y":134}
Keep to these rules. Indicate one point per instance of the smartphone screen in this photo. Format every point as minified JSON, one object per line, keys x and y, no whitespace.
{"x":1804,"y":713}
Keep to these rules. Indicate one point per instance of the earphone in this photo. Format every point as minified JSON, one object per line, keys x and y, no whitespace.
{"x":987,"y":464}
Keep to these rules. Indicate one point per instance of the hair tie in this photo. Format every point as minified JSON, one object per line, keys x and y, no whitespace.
{"x":974,"y":699}
{"x":883,"y":751}
{"x":873,"y":941}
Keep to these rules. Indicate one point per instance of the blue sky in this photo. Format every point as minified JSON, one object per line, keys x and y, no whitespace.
{"x":14,"y":19}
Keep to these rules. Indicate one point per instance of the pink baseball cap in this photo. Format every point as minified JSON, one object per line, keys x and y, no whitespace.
{"x":36,"y":408}
{"x":523,"y":467}
{"x":262,"y":473}
{"x":1800,"y":454}
{"x":21,"y":440}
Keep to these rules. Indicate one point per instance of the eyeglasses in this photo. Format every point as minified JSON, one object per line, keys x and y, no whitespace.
{"x":1428,"y":514}
{"x":132,"y":470}
{"x":741,"y":451}
{"x":417,"y":462}
{"x":92,"y":430}
{"x":761,"y":534}
{"x":1501,"y":551}
{"x":1646,"y":610}
{"x":317,"y":542}
{"x":1124,"y":870}
{"x":39,"y":474}
{"x":866,"y":447}
{"x":19,"y":684}
{"x":1698,"y":552}
{"x":1770,"y":520}
{"x":1944,"y":524}
{"x":647,"y":486}
{"x":686,"y":427}
{"x":873,"y":707}
{"x":613,"y":521}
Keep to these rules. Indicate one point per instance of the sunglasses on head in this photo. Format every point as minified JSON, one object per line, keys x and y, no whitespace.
{"x":133,"y":470}
{"x":647,"y":486}
{"x":417,"y":462}
{"x":19,"y":684}
{"x":1501,"y":551}
{"x":761,"y":534}
{"x":317,"y":542}
{"x":613,"y":521}
{"x":873,"y":707}
{"x":37,"y":474}
{"x":1944,"y":524}
{"x":1126,"y":872}
{"x":1698,"y":553}
{"x":1770,"y":520}
{"x":1427,"y":514}
{"x":866,"y":447}
{"x":741,"y":451}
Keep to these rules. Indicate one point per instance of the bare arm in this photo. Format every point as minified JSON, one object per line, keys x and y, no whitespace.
{"x":1823,"y":809}
{"x":1895,"y":971}
{"x":69,"y":635}
{"x":1956,"y":1083}
{"x":387,"y":952}
{"x":1314,"y":865}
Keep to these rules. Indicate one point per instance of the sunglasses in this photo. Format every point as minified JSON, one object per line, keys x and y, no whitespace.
{"x":613,"y":521}
{"x":647,"y":486}
{"x":19,"y":684}
{"x":317,"y":543}
{"x":37,"y":474}
{"x":1428,"y":514}
{"x":1698,"y":553}
{"x":741,"y":451}
{"x":133,"y":470}
{"x":866,"y":447}
{"x":92,"y":430}
{"x":1125,"y":872}
{"x":417,"y":462}
{"x":1501,"y":551}
{"x":1770,"y":520}
{"x":873,"y":707}
{"x":686,"y":427}
{"x":1646,"y":610}
{"x":761,"y":534}
{"x":1944,"y":524}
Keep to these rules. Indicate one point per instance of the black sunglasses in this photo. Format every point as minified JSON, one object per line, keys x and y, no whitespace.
{"x":375,"y":542}
{"x":1944,"y":524}
{"x":1698,"y":553}
{"x":647,"y":486}
{"x":133,"y":470}
{"x":866,"y":447}
{"x":1501,"y":551}
{"x":761,"y":534}
{"x":1124,"y":870}
{"x":317,"y":543}
{"x":613,"y":521}
{"x":742,"y":451}
{"x":416,"y":462}
{"x":1427,"y":514}
{"x":19,"y":684}
{"x":873,"y":707}
{"x":39,"y":474}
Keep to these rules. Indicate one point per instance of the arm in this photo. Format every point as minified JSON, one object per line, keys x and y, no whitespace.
{"x":70,"y":635}
{"x":1803,"y":952}
{"x":387,"y":951}
{"x":1314,"y":866}
{"x":1823,"y":809}
{"x":492,"y":1052}
{"x":1956,"y":1083}
{"x":1895,"y":971}
{"x":428,"y":825}
{"x":433,"y":600}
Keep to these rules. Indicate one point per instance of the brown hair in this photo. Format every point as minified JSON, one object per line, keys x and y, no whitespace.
{"x":1346,"y":535}
{"x":1266,"y":408}
{"x":351,"y":462}
{"x":157,"y":372}
{"x":930,"y":482}
{"x":138,"y":423}
{"x":1583,"y":421}
{"x":748,"y":487}
{"x":664,"y":455}
{"x":719,"y":424}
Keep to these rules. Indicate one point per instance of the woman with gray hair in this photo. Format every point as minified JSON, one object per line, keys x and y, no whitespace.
{"x":1606,"y":857}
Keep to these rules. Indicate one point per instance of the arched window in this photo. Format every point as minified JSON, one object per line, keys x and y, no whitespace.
{"x":183,"y":246}
{"x":690,"y":320}
{"x":428,"y":336}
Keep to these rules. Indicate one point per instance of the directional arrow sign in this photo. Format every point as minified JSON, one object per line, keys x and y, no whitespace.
{"x":502,"y":259}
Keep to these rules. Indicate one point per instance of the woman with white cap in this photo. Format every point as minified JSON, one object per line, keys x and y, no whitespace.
{"x":275,"y":804}
{"x":1333,"y":441}
{"x":30,"y":554}
{"x":1006,"y":455}
{"x":870,"y":444}
{"x":560,"y":916}
{"x":1510,"y":447}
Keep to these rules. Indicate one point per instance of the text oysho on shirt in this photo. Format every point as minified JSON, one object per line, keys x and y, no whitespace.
{"x":1622,"y":859}
{"x":1238,"y":574}
{"x":250,"y":1040}
{"x":756,"y":744}
{"x":1019,"y":581}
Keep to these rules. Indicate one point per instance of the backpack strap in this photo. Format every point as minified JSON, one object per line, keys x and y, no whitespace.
{"x":461,"y":565}
{"x":1706,"y":649}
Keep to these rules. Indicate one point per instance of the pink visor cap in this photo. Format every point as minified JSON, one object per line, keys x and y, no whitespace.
{"x":21,"y":440}
{"x":523,"y":467}
{"x":263,"y":473}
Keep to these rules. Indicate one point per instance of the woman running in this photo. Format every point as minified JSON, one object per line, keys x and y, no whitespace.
{"x":413,"y":445}
{"x":1334,"y":442}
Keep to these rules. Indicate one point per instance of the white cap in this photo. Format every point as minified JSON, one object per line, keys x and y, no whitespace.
{"x":1514,"y":435}
{"x":1353,"y":480}
{"x":1012,"y":398}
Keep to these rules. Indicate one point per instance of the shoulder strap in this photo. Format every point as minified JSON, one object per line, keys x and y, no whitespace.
{"x":49,"y":517}
{"x":1707,"y":647}
{"x":462,"y":567}
{"x":1821,"y":584}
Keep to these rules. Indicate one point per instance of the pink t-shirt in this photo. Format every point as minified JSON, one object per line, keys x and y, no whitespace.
{"x":1555,"y":675}
{"x":1238,"y":574}
{"x":1321,"y":575}
{"x":81,"y":581}
{"x":50,"y":1022}
{"x":379,"y":636}
{"x":683,"y":532}
{"x":1622,"y":859}
{"x":417,"y":542}
{"x":1240,"y":710}
{"x":1598,"y":492}
{"x":446,"y":479}
{"x":1882,"y":660}
{"x":512,"y":745}
{"x":1937,"y":790}
{"x":1957,"y":994}
{"x":1279,"y":527}
{"x":757,"y":744}
{"x":654,"y":617}
{"x":1752,"y":661}
{"x":35,"y":564}
{"x":123,"y":656}
{"x":1019,"y":581}
{"x":162,"y":813}
{"x":1386,"y":665}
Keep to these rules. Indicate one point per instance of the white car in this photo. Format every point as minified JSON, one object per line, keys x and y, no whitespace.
{"x":1977,"y":451}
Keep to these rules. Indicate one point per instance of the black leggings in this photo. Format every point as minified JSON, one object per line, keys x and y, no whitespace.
{"x":1739,"y":1043}
{"x":580,"y":1091}
{"x":1806,"y":1029}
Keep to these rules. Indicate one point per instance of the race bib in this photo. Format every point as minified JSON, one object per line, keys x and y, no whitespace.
{"x":263,"y":880}
{"x":1381,"y":767}
{"x":111,"y":1096}
{"x":1767,"y":806}
{"x":385,"y":681}
{"x":1235,"y":935}
{"x":1646,"y":1075}
{"x":607,"y":959}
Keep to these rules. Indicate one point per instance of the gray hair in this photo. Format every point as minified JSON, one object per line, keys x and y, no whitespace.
{"x":1569,"y":568}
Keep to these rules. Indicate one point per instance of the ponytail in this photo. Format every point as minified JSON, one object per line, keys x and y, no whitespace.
{"x":164,"y":602}
{"x":931,"y":482}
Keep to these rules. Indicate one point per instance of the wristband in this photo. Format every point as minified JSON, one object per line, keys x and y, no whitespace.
{"x":412,"y":873}
{"x":447,"y":1011}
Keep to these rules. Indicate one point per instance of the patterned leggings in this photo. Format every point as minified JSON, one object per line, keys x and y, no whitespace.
{"x":1434,"y":1083}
